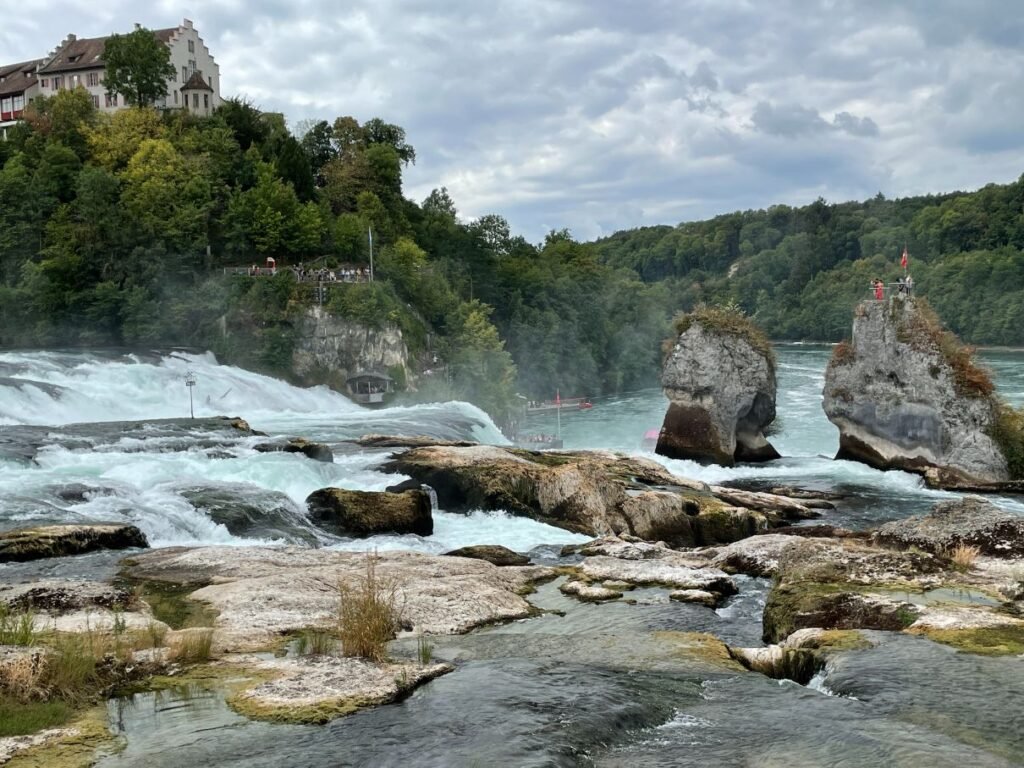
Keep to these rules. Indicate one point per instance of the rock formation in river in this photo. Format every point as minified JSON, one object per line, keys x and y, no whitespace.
{"x":905,"y":394}
{"x":720,"y":381}
{"x":366,"y":513}
{"x":593,"y":492}
{"x":62,"y":540}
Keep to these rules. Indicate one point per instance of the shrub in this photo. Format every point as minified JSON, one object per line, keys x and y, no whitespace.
{"x":18,"y":718}
{"x":924,"y":330}
{"x":728,"y":319}
{"x":315,"y":642}
{"x":368,"y":613}
{"x":842,"y":353}
{"x":1008,"y":432}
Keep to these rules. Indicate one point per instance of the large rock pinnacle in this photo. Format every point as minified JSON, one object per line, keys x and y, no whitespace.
{"x":720,"y":380}
{"x":905,"y":395}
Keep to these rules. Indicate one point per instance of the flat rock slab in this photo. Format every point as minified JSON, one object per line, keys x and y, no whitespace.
{"x":63,"y":540}
{"x":262,"y":592}
{"x":367,"y":513}
{"x":971,"y":522}
{"x":317,"y":689}
{"x":64,"y":595}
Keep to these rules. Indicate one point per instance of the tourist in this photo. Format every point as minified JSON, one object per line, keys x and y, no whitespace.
{"x":879,"y":290}
{"x":909,"y":284}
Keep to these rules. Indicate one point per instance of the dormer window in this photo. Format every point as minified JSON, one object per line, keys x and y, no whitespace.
{"x":73,"y":59}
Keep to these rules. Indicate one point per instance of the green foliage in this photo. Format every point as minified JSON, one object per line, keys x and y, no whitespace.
{"x":18,"y":718}
{"x":730,"y":320}
{"x":138,"y":67}
{"x":1008,"y":432}
{"x":17,"y":628}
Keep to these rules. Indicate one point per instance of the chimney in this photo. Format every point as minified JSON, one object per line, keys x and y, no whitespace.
{"x":71,"y":38}
{"x":137,"y":25}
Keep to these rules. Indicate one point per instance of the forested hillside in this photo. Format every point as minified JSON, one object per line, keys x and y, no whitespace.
{"x":116,"y":229}
{"x":798,"y":271}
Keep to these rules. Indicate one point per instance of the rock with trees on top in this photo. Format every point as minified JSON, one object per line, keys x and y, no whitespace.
{"x":719,"y":377}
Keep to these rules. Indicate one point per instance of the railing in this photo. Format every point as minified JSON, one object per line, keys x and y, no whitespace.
{"x":891,"y":289}
{"x":324,"y":275}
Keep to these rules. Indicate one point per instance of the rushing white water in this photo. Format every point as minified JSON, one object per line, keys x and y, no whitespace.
{"x":169,"y":482}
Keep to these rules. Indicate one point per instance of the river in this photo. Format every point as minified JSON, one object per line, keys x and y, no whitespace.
{"x":549,"y":691}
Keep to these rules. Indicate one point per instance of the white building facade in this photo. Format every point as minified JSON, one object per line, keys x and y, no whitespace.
{"x":79,"y":63}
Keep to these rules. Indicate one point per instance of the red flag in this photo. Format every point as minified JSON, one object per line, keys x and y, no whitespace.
{"x":904,"y":259}
{"x":558,"y":399}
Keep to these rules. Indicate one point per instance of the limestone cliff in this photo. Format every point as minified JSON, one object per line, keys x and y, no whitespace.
{"x":329,"y":349}
{"x":720,"y":381}
{"x":905,"y":395}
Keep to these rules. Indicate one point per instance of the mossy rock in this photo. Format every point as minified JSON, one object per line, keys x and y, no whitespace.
{"x":797,"y":605}
{"x":1003,"y":640}
{"x":62,"y":540}
{"x":364,"y":513}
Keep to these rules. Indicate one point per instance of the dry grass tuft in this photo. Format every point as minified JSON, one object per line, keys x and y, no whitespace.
{"x":728,"y":319}
{"x":368,"y":613}
{"x":843,"y":353}
{"x":192,"y":646}
{"x":925,"y":331}
{"x":963,"y":556}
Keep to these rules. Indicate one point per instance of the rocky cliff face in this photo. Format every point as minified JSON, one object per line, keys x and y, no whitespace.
{"x":721,"y":385}
{"x":329,"y":349}
{"x":900,"y":401}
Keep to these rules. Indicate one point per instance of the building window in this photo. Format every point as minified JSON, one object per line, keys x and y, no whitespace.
{"x":175,"y":97}
{"x":191,"y":46}
{"x":206,"y":100}
{"x":96,"y":101}
{"x":74,"y":81}
{"x":191,"y":65}
{"x":93,"y":79}
{"x":19,"y":102}
{"x":111,"y":100}
{"x":195,"y":101}
{"x":184,"y":74}
{"x":58,"y":83}
{"x":44,"y":83}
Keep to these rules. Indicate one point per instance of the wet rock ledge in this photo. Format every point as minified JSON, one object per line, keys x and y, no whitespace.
{"x":62,"y":540}
{"x":594,"y":492}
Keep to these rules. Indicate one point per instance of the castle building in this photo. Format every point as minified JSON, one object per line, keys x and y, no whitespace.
{"x":78,"y":63}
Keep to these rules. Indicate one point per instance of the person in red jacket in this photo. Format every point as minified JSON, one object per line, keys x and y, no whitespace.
{"x":879,"y":289}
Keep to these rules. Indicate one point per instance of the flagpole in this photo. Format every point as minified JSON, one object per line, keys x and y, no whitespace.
{"x":369,"y":232}
{"x":558,"y":402}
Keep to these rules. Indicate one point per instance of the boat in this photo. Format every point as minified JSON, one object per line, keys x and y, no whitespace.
{"x":369,"y":388}
{"x":650,"y":441}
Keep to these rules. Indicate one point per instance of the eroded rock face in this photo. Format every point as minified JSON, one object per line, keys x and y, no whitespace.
{"x":895,"y":399}
{"x":722,"y":396}
{"x":309,"y":449}
{"x":62,"y":540}
{"x":970,"y":521}
{"x":590,"y":492}
{"x":366,"y":513}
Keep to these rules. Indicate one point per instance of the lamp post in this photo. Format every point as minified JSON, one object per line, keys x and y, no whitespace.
{"x":190,"y":382}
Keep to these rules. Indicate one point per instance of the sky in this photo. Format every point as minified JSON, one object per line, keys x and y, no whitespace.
{"x":601,"y":115}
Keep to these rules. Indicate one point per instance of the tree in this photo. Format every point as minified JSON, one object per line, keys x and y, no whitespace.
{"x":138,"y":67}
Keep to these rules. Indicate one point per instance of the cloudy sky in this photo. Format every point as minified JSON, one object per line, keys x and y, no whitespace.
{"x":600,"y":115}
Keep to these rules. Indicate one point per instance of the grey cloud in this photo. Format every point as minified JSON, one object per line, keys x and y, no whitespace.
{"x":599,"y":114}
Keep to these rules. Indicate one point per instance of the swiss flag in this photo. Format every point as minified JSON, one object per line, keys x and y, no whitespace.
{"x":904,"y":259}
{"x":558,"y":398}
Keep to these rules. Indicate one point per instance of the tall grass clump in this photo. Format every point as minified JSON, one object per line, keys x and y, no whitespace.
{"x":368,"y":613}
{"x":424,"y":650}
{"x":192,"y":646}
{"x":17,"y":628}
{"x":315,"y":642}
{"x":1008,"y":432}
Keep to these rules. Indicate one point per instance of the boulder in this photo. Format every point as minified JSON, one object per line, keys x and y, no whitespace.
{"x":492,"y":553}
{"x":262,"y":514}
{"x":407,"y":441}
{"x":366,"y":513}
{"x":62,"y":540}
{"x":309,"y":449}
{"x":970,"y":521}
{"x":720,"y":381}
{"x":905,"y":395}
{"x":591,"y":492}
